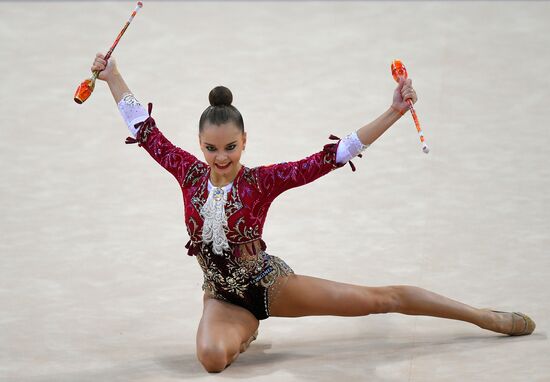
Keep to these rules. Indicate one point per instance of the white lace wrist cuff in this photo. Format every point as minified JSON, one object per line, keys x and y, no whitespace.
{"x":350,"y":146}
{"x":132,"y":112}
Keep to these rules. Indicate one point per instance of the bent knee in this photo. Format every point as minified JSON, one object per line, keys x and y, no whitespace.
{"x":214,"y":358}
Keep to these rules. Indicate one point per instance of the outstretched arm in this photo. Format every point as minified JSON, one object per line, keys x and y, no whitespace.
{"x":278,"y":178}
{"x":177,"y":161}
{"x":370,"y":132}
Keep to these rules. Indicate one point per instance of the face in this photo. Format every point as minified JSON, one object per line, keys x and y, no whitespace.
{"x":222,"y":146}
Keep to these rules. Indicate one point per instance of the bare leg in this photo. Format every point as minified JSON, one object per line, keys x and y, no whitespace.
{"x":224,"y":331}
{"x":305,"y":296}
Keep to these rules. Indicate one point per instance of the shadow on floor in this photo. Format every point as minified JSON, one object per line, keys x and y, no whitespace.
{"x":305,"y":359}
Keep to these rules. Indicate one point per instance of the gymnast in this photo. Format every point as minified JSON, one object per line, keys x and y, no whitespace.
{"x":226,"y":205}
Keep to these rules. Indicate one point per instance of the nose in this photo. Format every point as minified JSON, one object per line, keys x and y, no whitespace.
{"x":221,"y":157}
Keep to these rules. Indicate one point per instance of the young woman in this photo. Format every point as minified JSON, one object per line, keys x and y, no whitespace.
{"x":225,"y":209}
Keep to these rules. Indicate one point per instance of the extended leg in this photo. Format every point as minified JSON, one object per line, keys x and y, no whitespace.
{"x":305,"y":296}
{"x":224,"y":331}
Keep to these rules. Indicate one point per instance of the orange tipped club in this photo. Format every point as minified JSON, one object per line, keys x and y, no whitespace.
{"x":398,"y":71}
{"x":86,"y":88}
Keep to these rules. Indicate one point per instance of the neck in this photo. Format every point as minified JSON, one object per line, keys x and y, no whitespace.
{"x":220,"y":180}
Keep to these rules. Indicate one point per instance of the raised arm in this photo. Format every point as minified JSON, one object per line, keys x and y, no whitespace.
{"x":275,"y":179}
{"x":132,"y":111}
{"x":370,"y":132}
{"x":354,"y":143}
{"x":142,"y":126}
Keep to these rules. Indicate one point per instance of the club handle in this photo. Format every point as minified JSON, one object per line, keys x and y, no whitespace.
{"x":425,"y":147}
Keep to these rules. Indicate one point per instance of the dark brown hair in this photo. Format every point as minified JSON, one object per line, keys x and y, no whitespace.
{"x":220,"y":110}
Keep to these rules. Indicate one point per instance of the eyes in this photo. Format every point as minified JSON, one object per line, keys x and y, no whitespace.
{"x":230,"y":147}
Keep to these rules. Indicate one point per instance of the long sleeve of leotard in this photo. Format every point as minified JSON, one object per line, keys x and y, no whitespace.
{"x":277,"y":178}
{"x":145,"y":132}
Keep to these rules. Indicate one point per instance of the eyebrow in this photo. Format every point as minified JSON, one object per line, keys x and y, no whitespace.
{"x":210,"y":144}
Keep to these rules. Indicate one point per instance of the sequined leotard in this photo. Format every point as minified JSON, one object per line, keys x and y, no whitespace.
{"x":244,"y":274}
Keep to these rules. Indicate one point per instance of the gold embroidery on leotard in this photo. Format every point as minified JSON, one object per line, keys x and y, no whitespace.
{"x":253,"y":267}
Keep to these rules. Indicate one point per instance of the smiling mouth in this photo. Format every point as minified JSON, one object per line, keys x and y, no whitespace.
{"x":223,"y":167}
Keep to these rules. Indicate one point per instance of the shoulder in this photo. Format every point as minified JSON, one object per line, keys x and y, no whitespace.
{"x":250,"y":175}
{"x":196,"y":171}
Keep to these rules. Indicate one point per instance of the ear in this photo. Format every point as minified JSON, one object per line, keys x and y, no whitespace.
{"x":244,"y":140}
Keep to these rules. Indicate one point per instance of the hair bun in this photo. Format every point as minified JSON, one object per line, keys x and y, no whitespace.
{"x":220,"y":96}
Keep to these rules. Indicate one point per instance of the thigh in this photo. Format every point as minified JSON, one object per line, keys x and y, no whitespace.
{"x":224,"y":327}
{"x":312,"y":296}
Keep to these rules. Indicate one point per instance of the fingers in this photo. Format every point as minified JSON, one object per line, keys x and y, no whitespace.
{"x":401,"y":83}
{"x":98,"y":66}
{"x":407,"y":91}
{"x":99,"y":63}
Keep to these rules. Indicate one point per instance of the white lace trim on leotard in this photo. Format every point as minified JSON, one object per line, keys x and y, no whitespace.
{"x":350,"y":146}
{"x":215,"y":220}
{"x":132,"y":111}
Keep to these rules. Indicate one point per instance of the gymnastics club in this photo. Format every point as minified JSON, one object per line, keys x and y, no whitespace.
{"x":87,"y":86}
{"x":399,"y":72}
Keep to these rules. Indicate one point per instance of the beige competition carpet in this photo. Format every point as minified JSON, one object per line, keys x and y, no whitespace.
{"x":95,"y":283}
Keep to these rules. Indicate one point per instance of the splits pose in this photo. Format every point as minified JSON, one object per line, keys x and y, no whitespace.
{"x":226,"y":205}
